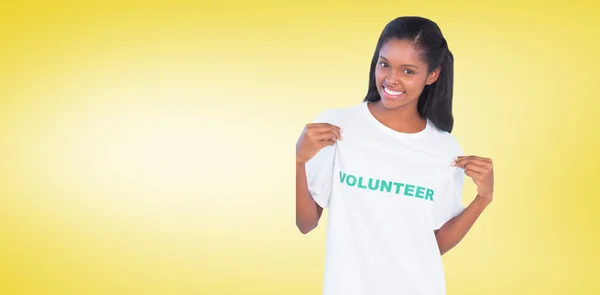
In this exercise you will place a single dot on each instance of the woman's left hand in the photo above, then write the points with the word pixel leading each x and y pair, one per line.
pixel 481 170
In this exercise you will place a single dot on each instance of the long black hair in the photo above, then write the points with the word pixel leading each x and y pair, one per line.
pixel 435 102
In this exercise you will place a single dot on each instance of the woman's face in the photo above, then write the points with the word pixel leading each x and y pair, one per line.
pixel 400 74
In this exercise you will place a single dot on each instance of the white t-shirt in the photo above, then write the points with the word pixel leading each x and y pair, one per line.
pixel 386 192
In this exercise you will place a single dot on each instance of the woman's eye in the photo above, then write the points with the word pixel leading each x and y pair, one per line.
pixel 383 64
pixel 408 72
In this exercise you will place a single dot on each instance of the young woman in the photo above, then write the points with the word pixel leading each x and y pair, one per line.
pixel 390 172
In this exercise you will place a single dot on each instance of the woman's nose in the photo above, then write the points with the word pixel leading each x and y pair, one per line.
pixel 392 78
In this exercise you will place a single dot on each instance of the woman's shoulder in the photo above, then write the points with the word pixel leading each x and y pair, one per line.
pixel 446 140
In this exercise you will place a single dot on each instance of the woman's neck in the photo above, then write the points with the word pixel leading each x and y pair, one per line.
pixel 405 119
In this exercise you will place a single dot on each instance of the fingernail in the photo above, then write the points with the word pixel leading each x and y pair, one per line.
pixel 452 163
pixel 455 158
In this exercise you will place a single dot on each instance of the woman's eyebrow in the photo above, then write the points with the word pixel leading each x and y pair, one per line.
pixel 403 65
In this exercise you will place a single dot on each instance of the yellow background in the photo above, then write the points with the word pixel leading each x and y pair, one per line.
pixel 146 147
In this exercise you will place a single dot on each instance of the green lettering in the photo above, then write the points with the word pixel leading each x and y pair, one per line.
pixel 360 184
pixel 382 185
pixel 351 180
pixel 408 190
pixel 429 194
pixel 420 191
pixel 398 186
pixel 342 176
pixel 385 185
pixel 373 187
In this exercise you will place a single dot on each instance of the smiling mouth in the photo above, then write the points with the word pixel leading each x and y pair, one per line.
pixel 392 92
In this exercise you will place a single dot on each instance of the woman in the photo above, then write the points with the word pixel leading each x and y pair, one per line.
pixel 390 172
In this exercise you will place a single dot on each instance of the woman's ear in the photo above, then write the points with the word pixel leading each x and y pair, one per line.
pixel 433 76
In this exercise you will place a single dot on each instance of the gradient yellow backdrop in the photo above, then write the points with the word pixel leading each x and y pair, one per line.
pixel 146 147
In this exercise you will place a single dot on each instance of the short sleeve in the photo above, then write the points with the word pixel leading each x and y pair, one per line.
pixel 449 204
pixel 319 170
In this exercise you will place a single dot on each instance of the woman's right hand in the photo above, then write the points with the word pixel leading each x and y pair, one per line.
pixel 314 137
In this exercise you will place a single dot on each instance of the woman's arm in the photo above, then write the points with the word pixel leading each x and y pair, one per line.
pixel 308 212
pixel 313 139
pixel 453 231
pixel 481 170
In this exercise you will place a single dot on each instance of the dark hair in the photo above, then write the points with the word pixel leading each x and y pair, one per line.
pixel 435 102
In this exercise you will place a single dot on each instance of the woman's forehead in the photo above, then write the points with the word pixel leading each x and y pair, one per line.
pixel 400 51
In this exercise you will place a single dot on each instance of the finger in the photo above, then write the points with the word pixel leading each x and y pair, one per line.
pixel 471 157
pixel 337 132
pixel 479 160
pixel 322 128
pixel 328 135
pixel 324 143
pixel 462 161
pixel 474 167
pixel 473 174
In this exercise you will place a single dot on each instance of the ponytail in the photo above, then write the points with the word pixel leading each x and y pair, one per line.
pixel 435 102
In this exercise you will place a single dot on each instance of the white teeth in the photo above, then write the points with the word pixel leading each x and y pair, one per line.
pixel 390 92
